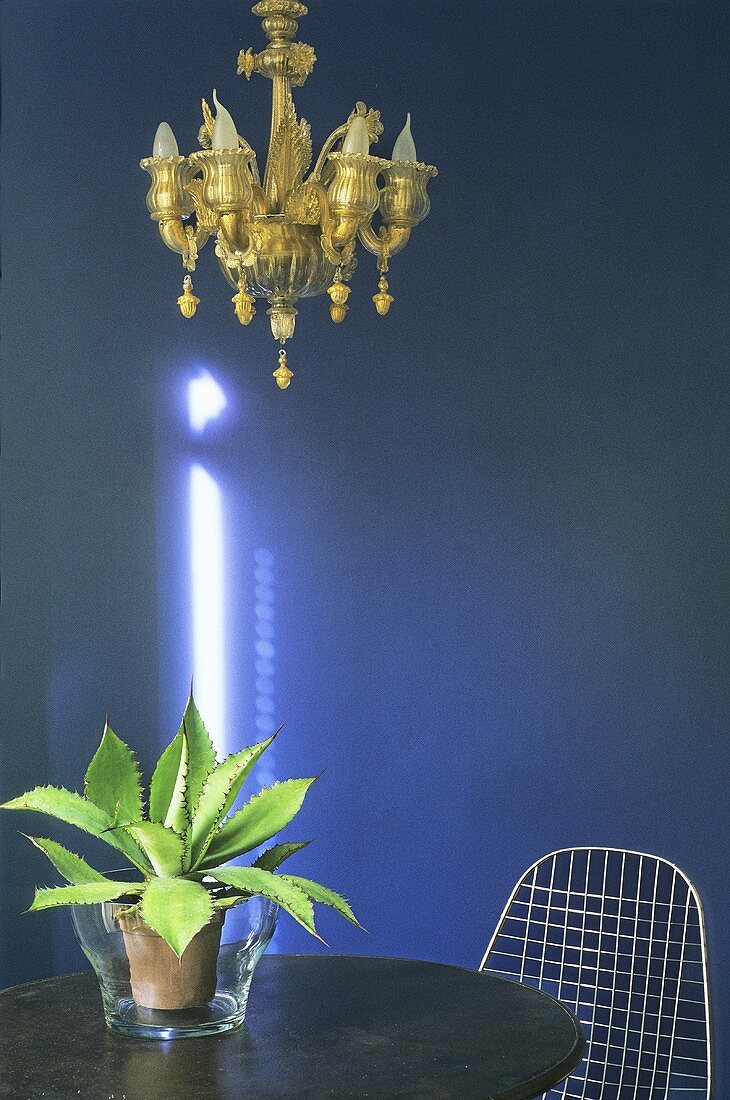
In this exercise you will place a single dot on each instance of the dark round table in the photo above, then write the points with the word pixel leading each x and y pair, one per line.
pixel 317 1026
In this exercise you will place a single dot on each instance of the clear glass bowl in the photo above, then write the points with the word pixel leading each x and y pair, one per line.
pixel 246 933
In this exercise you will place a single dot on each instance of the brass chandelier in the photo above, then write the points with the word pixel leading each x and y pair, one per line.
pixel 286 237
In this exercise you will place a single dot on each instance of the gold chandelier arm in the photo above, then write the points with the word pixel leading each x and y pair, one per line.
pixel 390 240
pixel 237 247
pixel 254 166
pixel 205 216
pixel 375 129
pixel 173 234
pixel 183 239
pixel 315 175
pixel 238 238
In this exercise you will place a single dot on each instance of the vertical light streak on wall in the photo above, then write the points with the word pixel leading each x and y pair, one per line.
pixel 206 569
pixel 206 401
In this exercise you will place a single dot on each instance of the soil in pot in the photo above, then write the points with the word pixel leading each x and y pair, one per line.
pixel 161 980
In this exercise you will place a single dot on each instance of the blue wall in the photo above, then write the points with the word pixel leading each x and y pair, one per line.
pixel 495 516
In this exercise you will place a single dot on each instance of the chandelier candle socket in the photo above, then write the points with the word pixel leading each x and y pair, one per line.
pixel 291 233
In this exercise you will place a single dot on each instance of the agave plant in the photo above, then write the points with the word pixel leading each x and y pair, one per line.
pixel 184 845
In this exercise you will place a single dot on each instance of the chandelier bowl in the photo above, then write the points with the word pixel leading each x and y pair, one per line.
pixel 289 262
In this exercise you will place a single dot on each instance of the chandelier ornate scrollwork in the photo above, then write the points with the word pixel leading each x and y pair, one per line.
pixel 292 235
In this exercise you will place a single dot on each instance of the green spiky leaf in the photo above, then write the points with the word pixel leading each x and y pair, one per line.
pixel 219 792
pixel 260 819
pixel 125 843
pixel 91 893
pixel 176 908
pixel 163 847
pixel 74 810
pixel 65 805
pixel 201 754
pixel 274 857
pixel 324 896
pixel 112 781
pixel 72 867
pixel 169 788
pixel 255 881
pixel 230 900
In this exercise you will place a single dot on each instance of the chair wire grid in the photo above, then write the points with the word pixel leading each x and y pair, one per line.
pixel 619 938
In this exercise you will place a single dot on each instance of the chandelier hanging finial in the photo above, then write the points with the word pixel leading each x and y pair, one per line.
pixel 292 234
pixel 282 374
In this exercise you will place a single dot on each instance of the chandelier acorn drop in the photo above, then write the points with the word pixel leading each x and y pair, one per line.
pixel 286 237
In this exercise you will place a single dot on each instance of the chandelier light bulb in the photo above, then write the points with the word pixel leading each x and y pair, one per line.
pixel 165 144
pixel 225 134
pixel 405 147
pixel 357 138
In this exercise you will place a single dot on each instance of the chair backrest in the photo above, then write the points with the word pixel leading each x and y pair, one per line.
pixel 619 937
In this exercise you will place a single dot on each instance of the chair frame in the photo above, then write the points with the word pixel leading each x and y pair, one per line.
pixel 660 861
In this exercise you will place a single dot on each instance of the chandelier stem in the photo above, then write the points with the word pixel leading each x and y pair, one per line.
pixel 280 95
pixel 279 21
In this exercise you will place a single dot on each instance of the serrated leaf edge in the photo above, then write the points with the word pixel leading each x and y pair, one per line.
pixel 143 915
pixel 300 844
pixel 200 855
pixel 303 883
pixel 50 787
pixel 137 772
pixel 251 801
pixel 125 888
pixel 192 807
pixel 39 842
pixel 258 893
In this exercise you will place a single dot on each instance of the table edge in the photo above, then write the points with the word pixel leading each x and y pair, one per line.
pixel 545 1081
pixel 537 1085
pixel 320 955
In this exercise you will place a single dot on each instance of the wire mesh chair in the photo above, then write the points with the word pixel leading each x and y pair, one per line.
pixel 619 937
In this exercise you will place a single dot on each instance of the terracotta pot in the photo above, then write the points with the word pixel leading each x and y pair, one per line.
pixel 161 980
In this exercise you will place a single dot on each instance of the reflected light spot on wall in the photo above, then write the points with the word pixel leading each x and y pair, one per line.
pixel 206 400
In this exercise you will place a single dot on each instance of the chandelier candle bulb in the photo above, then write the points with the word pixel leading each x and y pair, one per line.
pixel 357 138
pixel 165 143
pixel 225 134
pixel 405 147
